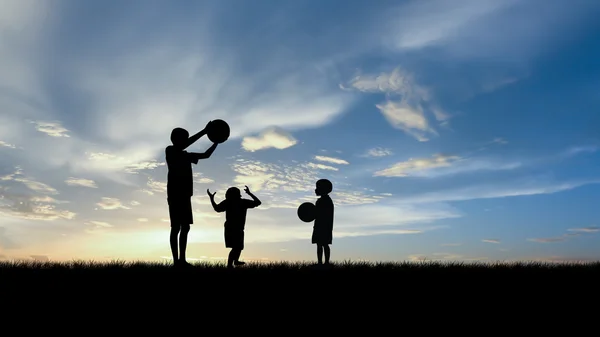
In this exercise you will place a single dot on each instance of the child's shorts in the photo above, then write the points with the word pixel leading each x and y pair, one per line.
pixel 180 211
pixel 234 238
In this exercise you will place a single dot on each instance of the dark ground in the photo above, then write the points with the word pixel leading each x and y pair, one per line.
pixel 347 291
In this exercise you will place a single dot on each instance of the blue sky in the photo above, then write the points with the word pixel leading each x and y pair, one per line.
pixel 452 130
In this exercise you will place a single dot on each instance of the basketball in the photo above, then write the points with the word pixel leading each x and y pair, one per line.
pixel 307 212
pixel 218 131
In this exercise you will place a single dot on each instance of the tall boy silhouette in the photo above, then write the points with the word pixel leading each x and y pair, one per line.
pixel 323 227
pixel 180 187
pixel 235 209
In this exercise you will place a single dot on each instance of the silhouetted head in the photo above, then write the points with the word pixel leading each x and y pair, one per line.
pixel 179 136
pixel 233 193
pixel 324 187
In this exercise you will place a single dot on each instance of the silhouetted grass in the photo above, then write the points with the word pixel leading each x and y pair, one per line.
pixel 8 268
pixel 347 283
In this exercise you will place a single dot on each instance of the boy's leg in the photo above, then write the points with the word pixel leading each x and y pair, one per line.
pixel 320 253
pixel 236 260
pixel 231 258
pixel 173 241
pixel 327 251
pixel 183 242
pixel 240 247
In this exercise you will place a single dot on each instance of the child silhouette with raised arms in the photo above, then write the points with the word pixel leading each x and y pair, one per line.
pixel 235 209
pixel 180 187
pixel 323 228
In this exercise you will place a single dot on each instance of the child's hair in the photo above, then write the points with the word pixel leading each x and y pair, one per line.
pixel 179 135
pixel 325 185
pixel 233 193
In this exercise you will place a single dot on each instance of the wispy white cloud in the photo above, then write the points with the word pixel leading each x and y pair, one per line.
pixel 54 129
pixel 575 232
pixel 441 165
pixel 332 160
pixel 491 240
pixel 272 137
pixel 111 204
pixel 322 166
pixel 481 28
pixel 408 119
pixel 378 152
pixel 407 113
pixel 403 169
pixel 5 144
pixel 590 229
pixel 81 182
pixel 521 187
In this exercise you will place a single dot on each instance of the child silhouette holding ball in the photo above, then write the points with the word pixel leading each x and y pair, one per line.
pixel 323 228
pixel 180 187
pixel 235 209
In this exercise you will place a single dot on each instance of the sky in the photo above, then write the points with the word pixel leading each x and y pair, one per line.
pixel 462 130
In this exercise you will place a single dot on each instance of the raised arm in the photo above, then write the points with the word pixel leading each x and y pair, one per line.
pixel 197 156
pixel 195 137
pixel 256 201
pixel 219 208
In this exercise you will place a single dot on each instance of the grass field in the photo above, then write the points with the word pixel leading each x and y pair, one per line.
pixel 362 286
pixel 17 269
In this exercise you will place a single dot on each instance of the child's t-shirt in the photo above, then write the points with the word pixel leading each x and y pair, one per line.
pixel 180 182
pixel 324 209
pixel 235 212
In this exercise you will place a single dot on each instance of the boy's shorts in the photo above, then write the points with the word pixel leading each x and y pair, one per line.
pixel 234 238
pixel 180 211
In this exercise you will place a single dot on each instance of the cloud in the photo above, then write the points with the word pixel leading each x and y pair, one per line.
pixel 378 152
pixel 272 137
pixel 5 144
pixel 523 187
pixel 30 182
pixel 156 186
pixel 577 232
pixel 407 113
pixel 54 129
pixel 144 165
pixel 406 118
pixel 590 229
pixel 200 179
pixel 32 203
pixel 111 204
pixel 32 208
pixel 142 220
pixel 403 169
pixel 548 240
pixel 490 240
pixel 434 23
pixel 97 227
pixel 321 166
pixel 99 224
pixel 331 160
pixel 81 182
pixel 287 185
pixel 480 29
pixel 442 165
